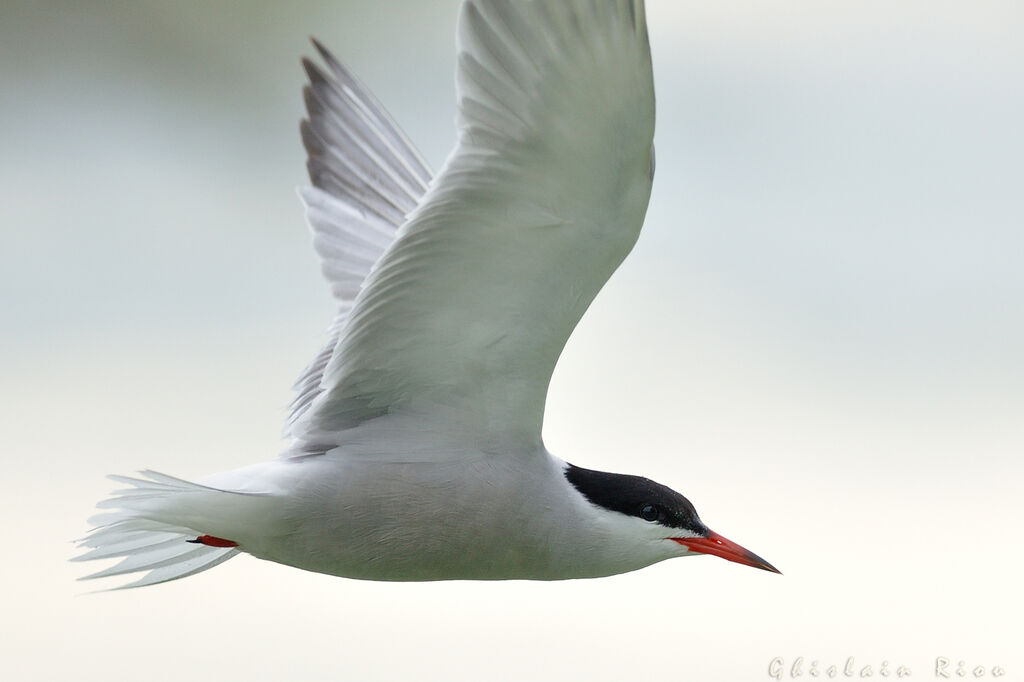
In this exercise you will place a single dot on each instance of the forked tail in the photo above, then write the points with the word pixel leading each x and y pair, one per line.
pixel 164 525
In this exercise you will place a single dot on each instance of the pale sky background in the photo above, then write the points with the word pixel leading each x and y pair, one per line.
pixel 818 340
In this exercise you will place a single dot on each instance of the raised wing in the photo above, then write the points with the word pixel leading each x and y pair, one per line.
pixel 366 178
pixel 462 320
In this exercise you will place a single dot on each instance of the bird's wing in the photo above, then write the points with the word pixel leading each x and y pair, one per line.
pixel 366 178
pixel 462 320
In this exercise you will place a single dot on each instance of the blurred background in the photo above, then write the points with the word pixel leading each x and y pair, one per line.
pixel 818 340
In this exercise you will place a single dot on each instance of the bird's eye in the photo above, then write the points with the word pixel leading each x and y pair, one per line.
pixel 649 513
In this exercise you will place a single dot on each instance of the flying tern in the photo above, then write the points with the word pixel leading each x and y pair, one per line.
pixel 415 448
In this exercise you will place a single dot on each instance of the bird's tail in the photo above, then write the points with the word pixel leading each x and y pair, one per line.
pixel 166 526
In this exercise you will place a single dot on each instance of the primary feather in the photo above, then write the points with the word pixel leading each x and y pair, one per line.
pixel 366 178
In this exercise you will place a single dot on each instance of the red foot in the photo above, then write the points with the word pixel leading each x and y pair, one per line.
pixel 214 541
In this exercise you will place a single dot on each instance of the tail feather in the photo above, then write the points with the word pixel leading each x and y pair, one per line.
pixel 131 543
pixel 152 526
pixel 211 557
pixel 149 560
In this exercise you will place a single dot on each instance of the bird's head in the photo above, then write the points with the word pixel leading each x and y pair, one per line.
pixel 663 520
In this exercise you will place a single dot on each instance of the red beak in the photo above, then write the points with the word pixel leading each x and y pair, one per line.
pixel 716 545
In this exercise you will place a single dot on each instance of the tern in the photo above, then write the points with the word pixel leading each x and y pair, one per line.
pixel 415 449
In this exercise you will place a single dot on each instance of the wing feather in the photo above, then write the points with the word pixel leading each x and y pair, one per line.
pixel 463 318
pixel 366 178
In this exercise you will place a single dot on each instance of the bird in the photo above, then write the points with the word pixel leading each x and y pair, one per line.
pixel 414 448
